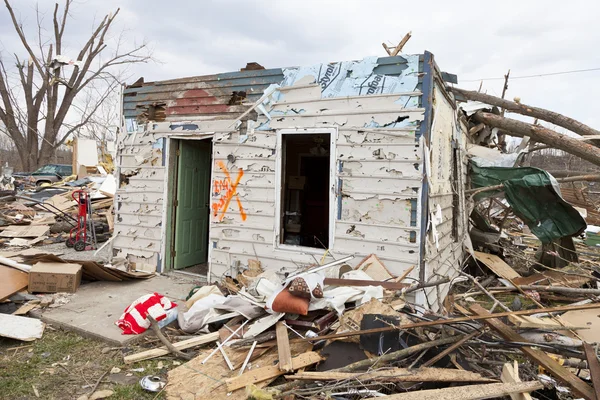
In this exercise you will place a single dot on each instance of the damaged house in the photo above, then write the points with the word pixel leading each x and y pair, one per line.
pixel 295 167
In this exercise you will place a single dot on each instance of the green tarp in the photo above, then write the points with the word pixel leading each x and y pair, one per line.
pixel 533 196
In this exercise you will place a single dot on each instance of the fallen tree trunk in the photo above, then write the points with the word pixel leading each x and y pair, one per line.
pixel 543 135
pixel 535 112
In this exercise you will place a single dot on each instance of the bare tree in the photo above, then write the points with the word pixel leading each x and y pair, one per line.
pixel 48 86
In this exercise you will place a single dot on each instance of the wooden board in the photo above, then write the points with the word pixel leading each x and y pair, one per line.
pixel 510 374
pixel 473 392
pixel 397 375
pixel 272 371
pixel 553 278
pixel 593 367
pixel 497 265
pixel 194 380
pixel 12 281
pixel 21 328
pixel 589 318
pixel 283 347
pixel 539 323
pixel 578 386
pixel 162 351
pixel 373 267
pixel 24 231
pixel 25 308
pixel 358 282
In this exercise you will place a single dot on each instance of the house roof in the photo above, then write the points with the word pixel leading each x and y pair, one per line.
pixel 227 95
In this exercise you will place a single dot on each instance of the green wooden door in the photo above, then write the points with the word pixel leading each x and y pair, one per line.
pixel 192 207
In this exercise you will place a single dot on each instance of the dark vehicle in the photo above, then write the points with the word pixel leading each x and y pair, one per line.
pixel 49 173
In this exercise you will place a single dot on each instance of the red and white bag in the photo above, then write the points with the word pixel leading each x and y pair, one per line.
pixel 134 320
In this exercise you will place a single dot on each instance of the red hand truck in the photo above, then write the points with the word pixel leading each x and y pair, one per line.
pixel 83 236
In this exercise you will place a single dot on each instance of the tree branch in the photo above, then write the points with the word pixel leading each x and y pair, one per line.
pixel 21 34
pixel 535 112
pixel 543 135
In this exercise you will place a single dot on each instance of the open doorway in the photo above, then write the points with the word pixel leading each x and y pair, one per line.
pixel 191 206
pixel 305 190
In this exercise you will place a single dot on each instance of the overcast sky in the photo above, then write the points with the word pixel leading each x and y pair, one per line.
pixel 471 39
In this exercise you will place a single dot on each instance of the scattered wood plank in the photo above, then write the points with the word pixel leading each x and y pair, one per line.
pixel 162 351
pixel 359 282
pixel 261 374
pixel 473 392
pixel 593 366
pixel 25 308
pixel 558 371
pixel 451 348
pixel 194 380
pixel 497 265
pixel 373 267
pixel 24 231
pixel 21 328
pixel 283 347
pixel 396 375
pixel 452 321
pixel 510 374
pixel 12 281
pixel 587 318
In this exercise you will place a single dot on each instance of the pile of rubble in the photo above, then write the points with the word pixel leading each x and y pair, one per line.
pixel 334 331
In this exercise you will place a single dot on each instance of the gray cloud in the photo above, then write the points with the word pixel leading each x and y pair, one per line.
pixel 470 38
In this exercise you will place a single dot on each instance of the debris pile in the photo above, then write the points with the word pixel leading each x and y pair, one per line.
pixel 334 331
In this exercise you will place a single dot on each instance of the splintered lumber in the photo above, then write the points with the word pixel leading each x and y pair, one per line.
pixel 452 321
pixel 472 392
pixel 283 347
pixel 358 282
pixel 398 355
pixel 554 368
pixel 497 265
pixel 510 374
pixel 396 375
pixel 451 348
pixel 194 380
pixel 593 366
pixel 162 351
pixel 262 374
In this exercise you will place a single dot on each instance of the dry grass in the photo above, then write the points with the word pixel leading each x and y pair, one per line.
pixel 63 365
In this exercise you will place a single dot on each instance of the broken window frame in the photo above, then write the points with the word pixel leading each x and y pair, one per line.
pixel 333 187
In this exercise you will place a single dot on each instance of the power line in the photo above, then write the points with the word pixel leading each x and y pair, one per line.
pixel 534 76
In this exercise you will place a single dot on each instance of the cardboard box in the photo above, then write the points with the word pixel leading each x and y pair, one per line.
pixel 296 182
pixel 48 277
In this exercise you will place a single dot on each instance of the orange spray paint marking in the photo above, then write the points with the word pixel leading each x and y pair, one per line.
pixel 230 190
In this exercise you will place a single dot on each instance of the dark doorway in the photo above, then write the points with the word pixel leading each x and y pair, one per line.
pixel 305 191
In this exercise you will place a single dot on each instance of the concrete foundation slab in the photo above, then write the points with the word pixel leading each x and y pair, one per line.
pixel 95 307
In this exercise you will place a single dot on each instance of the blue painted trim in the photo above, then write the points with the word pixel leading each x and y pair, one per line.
pixel 425 131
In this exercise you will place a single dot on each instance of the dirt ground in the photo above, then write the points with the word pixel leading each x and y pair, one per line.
pixel 63 365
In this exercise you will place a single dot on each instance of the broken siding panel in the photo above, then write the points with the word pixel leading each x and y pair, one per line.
pixel 371 160
pixel 139 197
pixel 444 251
